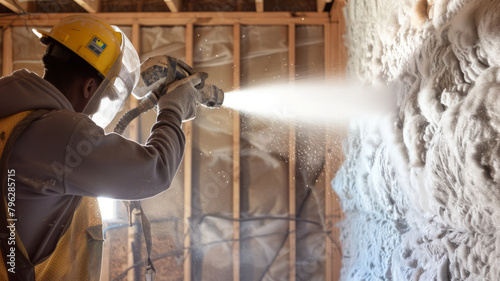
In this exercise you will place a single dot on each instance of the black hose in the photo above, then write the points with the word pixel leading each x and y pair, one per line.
pixel 146 104
pixel 151 99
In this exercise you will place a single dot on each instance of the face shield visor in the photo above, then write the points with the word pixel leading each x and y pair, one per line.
pixel 116 87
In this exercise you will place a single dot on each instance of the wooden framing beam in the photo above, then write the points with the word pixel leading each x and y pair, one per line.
pixel 236 154
pixel 188 166
pixel 174 5
pixel 339 51
pixel 15 6
pixel 292 238
pixel 133 231
pixel 91 6
pixel 201 19
pixel 259 6
pixel 136 36
pixel 335 64
pixel 7 64
pixel 134 125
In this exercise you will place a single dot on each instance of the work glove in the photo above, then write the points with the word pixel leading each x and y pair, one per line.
pixel 181 96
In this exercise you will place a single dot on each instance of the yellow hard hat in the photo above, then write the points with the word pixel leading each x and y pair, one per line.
pixel 89 37
pixel 109 51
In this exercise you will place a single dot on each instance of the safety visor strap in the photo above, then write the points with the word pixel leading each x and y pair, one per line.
pixel 63 54
pixel 135 207
pixel 59 52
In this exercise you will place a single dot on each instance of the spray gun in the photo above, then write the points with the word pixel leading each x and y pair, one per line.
pixel 165 70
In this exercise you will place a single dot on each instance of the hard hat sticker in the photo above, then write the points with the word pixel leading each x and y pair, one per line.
pixel 96 46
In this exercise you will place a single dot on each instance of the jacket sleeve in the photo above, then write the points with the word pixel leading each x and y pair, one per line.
pixel 99 164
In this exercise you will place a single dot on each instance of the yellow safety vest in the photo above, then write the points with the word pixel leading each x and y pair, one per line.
pixel 78 253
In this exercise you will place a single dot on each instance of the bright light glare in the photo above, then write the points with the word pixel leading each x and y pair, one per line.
pixel 107 111
pixel 38 34
pixel 108 208
pixel 312 102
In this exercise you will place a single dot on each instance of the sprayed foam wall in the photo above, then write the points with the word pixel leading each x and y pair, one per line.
pixel 420 188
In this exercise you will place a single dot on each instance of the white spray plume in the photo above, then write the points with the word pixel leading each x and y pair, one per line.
pixel 313 101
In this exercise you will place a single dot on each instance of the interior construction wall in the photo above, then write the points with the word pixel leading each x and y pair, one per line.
pixel 264 252
pixel 264 159
pixel 28 52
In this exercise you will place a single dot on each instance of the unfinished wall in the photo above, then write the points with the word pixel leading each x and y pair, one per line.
pixel 243 176
pixel 28 50
pixel 264 161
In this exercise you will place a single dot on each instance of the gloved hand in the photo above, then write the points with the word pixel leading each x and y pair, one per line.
pixel 181 96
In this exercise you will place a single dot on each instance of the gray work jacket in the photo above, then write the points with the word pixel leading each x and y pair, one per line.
pixel 65 154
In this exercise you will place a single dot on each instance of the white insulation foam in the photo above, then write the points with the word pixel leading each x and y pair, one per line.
pixel 421 188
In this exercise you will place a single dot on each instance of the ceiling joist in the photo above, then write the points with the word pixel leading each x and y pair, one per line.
pixel 174 5
pixel 259 6
pixel 91 6
pixel 202 19
pixel 15 6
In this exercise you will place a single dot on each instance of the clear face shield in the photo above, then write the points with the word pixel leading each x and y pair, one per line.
pixel 116 87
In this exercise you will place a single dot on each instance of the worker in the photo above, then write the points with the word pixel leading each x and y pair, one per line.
pixel 56 157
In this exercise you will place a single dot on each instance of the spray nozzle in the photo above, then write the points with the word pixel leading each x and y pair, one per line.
pixel 211 96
